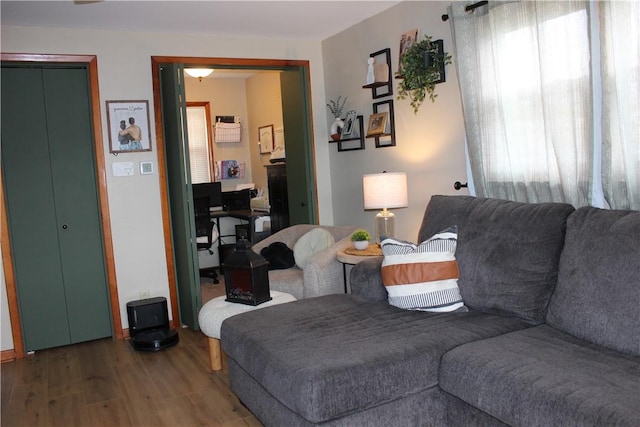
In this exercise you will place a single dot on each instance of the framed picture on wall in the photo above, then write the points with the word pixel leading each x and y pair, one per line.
pixel 349 125
pixel 388 137
pixel 128 124
pixel 377 124
pixel 406 41
pixel 279 138
pixel 265 138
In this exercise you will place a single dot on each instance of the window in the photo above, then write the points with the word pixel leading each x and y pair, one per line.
pixel 200 142
pixel 534 104
pixel 620 51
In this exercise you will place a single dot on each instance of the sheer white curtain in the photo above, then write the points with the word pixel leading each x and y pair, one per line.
pixel 620 52
pixel 525 79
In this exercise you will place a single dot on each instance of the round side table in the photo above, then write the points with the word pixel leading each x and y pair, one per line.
pixel 352 256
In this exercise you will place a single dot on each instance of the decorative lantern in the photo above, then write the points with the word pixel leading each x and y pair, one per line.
pixel 246 276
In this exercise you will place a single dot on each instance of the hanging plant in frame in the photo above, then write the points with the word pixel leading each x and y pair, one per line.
pixel 423 66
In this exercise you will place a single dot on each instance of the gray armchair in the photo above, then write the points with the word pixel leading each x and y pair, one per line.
pixel 323 273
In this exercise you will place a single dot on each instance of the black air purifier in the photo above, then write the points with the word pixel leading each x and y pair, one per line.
pixel 149 325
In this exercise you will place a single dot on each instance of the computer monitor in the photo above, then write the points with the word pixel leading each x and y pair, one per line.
pixel 212 190
pixel 237 200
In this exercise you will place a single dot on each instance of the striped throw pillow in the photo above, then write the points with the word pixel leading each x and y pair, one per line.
pixel 425 276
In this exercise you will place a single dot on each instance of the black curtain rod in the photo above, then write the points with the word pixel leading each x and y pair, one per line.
pixel 468 8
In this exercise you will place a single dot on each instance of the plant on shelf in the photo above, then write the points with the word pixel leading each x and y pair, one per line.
pixel 360 239
pixel 421 70
pixel 337 106
pixel 336 109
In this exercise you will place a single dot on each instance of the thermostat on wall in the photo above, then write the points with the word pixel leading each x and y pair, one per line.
pixel 146 168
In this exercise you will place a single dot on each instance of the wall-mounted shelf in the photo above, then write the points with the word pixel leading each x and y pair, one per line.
pixel 355 141
pixel 382 65
pixel 375 85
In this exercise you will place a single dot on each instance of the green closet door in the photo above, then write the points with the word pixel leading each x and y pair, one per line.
pixel 31 210
pixel 77 204
pixel 52 205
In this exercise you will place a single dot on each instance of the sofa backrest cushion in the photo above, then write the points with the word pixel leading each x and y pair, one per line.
pixel 508 252
pixel 598 290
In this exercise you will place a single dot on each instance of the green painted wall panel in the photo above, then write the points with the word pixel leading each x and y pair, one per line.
pixel 300 169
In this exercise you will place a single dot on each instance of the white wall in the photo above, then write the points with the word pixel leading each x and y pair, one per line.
pixel 264 100
pixel 429 145
pixel 124 67
pixel 226 97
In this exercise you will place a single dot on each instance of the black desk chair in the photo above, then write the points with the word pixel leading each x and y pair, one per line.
pixel 204 231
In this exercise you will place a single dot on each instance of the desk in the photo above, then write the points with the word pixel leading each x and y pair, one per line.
pixel 244 215
pixel 351 256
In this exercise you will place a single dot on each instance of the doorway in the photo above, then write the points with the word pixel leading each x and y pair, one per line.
pixel 169 101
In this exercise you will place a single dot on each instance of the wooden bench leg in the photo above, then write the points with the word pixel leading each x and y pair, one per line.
pixel 215 354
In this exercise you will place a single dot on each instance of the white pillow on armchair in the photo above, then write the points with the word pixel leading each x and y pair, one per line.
pixel 310 243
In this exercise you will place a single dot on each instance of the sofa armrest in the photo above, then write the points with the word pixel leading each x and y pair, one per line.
pixel 366 280
pixel 289 236
pixel 323 273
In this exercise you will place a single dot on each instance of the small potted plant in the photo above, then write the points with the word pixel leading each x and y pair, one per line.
pixel 336 109
pixel 360 239
pixel 421 65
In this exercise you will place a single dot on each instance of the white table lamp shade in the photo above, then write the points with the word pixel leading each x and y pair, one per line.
pixel 385 190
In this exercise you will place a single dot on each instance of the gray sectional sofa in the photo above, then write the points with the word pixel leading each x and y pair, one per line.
pixel 551 337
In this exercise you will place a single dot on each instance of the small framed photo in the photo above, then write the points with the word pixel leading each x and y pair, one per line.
pixel 279 138
pixel 128 124
pixel 406 41
pixel 356 141
pixel 349 125
pixel 377 123
pixel 265 138
pixel 388 139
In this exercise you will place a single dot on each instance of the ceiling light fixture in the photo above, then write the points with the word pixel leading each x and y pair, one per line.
pixel 198 73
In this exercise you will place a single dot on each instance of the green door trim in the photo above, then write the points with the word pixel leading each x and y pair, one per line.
pixel 178 183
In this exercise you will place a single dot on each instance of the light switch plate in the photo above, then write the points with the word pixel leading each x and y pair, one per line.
pixel 122 169
pixel 146 168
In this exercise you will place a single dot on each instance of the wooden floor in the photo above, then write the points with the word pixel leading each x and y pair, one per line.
pixel 107 383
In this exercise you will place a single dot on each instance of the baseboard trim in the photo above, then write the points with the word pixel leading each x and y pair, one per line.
pixel 7 356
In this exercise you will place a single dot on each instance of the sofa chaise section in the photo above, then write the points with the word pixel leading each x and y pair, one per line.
pixel 363 354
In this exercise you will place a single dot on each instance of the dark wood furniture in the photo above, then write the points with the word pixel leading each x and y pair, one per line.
pixel 278 196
